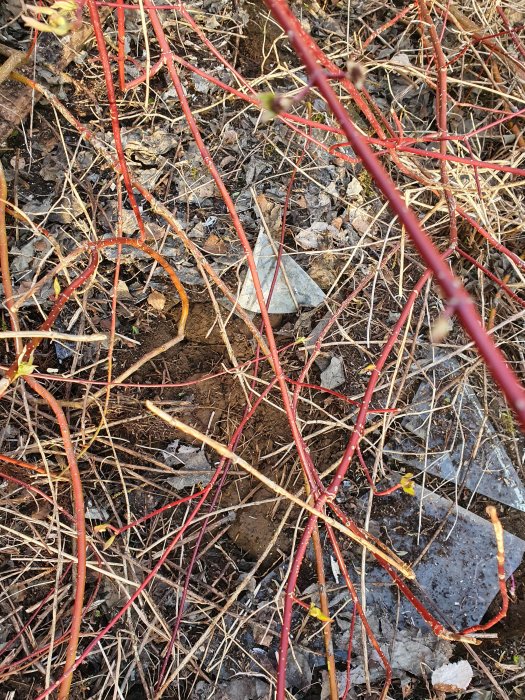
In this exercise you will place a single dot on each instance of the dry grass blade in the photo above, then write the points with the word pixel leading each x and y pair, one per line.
pixel 393 560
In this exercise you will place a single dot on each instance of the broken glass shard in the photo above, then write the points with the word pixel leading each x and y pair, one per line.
pixel 293 289
pixel 455 554
pixel 451 437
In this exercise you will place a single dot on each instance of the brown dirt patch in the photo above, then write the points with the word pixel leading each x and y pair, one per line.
pixel 259 35
pixel 214 406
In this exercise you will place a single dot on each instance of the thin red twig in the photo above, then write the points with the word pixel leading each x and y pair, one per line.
pixel 456 295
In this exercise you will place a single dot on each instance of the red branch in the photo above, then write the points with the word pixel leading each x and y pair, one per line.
pixel 458 299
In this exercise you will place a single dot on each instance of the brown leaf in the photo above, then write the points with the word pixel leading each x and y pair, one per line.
pixel 157 300
pixel 215 245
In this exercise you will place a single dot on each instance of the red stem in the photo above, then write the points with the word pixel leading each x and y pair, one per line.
pixel 95 641
pixel 224 467
pixel 452 289
pixel 304 456
pixel 80 524
pixel 103 53
pixel 330 493
pixel 360 611
pixel 492 277
pixel 60 301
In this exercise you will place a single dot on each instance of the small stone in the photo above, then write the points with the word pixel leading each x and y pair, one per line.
pixel 123 290
pixel 354 188
pixel 362 221
pixel 334 375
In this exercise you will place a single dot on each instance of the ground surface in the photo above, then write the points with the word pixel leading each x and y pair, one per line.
pixel 221 586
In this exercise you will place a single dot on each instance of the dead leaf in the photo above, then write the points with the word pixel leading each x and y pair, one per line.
pixel 263 203
pixel 400 59
pixel 362 221
pixel 301 202
pixel 337 222
pixel 440 329
pixel 215 245
pixel 318 236
pixel 157 300
pixel 354 188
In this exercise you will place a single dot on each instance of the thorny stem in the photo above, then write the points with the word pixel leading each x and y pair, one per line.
pixel 333 318
pixel 161 210
pixel 173 504
pixel 431 621
pixel 76 482
pixel 27 353
pixel 121 29
pixel 26 465
pixel 519 262
pixel 94 246
pixel 353 532
pixel 156 206
pixel 385 492
pixel 136 593
pixel 318 550
pixel 384 27
pixel 360 611
pixel 139 245
pixel 329 494
pixel 459 303
pixel 457 16
pixel 63 296
pixel 515 39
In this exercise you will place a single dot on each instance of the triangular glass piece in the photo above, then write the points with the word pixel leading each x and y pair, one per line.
pixel 455 441
pixel 294 287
